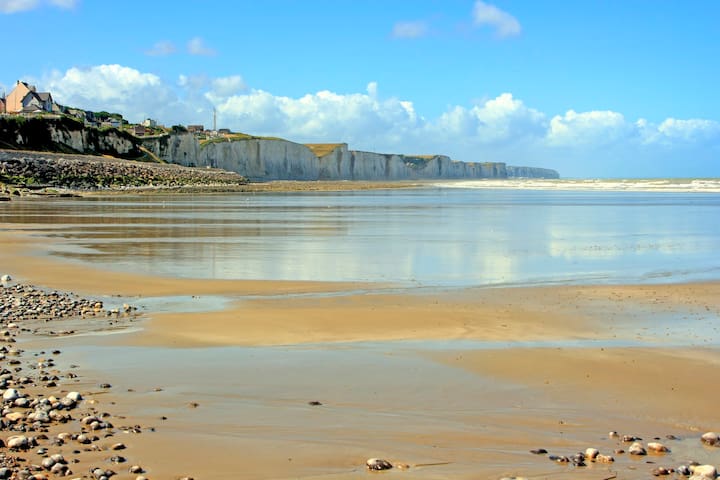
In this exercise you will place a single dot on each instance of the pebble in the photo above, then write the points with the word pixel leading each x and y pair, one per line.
pixel 592 453
pixel 378 464
pixel 657 447
pixel 703 472
pixel 637 449
pixel 710 438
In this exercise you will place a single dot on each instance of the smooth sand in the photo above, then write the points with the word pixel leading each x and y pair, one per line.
pixel 571 363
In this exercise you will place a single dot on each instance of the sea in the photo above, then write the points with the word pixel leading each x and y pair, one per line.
pixel 447 234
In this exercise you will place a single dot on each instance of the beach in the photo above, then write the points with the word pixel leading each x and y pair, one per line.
pixel 297 378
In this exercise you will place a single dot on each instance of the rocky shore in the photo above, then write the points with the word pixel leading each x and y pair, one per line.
pixel 52 428
pixel 23 173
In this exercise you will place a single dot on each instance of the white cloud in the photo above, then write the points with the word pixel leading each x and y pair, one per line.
pixel 595 127
pixel 498 129
pixel 225 87
pixel 691 131
pixel 116 88
pixel 505 25
pixel 196 46
pixel 413 29
pixel 15 6
pixel 161 49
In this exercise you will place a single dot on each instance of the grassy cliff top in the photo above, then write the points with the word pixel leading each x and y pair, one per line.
pixel 235 137
pixel 322 149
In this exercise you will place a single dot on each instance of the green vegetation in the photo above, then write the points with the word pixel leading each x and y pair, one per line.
pixel 234 137
pixel 322 149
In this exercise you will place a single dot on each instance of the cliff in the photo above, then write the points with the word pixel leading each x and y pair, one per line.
pixel 65 135
pixel 263 159
pixel 256 158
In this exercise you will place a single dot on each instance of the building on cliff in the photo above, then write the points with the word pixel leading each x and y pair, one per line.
pixel 25 98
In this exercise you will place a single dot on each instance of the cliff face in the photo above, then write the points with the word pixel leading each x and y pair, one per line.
pixel 271 159
pixel 65 135
pixel 258 159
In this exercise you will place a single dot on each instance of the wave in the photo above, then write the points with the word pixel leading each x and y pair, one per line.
pixel 680 185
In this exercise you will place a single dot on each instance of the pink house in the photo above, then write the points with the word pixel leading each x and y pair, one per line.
pixel 26 99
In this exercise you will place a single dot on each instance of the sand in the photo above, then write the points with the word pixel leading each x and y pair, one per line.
pixel 467 379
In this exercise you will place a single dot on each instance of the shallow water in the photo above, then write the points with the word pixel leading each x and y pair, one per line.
pixel 434 236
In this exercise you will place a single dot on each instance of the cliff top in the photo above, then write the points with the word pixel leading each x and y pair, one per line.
pixel 322 149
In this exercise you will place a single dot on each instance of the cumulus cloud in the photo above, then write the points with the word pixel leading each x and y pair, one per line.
pixel 197 46
pixel 116 88
pixel 413 29
pixel 505 25
pixel 594 127
pixel 161 49
pixel 14 6
pixel 502 128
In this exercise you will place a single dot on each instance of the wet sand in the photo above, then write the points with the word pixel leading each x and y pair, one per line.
pixel 468 379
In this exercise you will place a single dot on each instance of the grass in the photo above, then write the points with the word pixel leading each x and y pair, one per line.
pixel 234 137
pixel 322 149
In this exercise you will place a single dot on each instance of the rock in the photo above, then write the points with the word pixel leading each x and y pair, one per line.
pixel 118 446
pixel 11 394
pixel 378 464
pixel 710 438
pixel 659 471
pixel 19 442
pixel 637 449
pixel 136 469
pixel 75 396
pixel 591 453
pixel 657 447
pixel 14 417
pixel 703 472
pixel 604 458
pixel 538 451
pixel 5 279
pixel 683 470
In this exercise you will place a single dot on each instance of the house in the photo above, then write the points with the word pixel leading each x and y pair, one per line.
pixel 196 128
pixel 224 131
pixel 26 99
pixel 139 130
pixel 149 123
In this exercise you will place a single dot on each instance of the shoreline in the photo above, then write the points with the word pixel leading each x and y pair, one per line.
pixel 481 409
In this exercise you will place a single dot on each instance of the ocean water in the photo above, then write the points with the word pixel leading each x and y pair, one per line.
pixel 449 234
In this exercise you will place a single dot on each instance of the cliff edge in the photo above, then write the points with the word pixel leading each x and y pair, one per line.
pixel 263 159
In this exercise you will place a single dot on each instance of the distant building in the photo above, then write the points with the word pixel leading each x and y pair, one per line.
pixel 196 128
pixel 139 130
pixel 111 122
pixel 224 131
pixel 26 99
pixel 149 123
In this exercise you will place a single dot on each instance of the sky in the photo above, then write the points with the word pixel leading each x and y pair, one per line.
pixel 592 88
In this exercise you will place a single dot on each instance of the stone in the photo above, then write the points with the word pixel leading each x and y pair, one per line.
pixel 5 279
pixel 637 449
pixel 710 438
pixel 75 396
pixel 657 447
pixel 604 458
pixel 703 472
pixel 19 442
pixel 378 464
pixel 591 453
pixel 11 395
pixel 136 469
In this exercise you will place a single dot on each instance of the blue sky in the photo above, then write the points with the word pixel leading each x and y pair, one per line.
pixel 590 88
